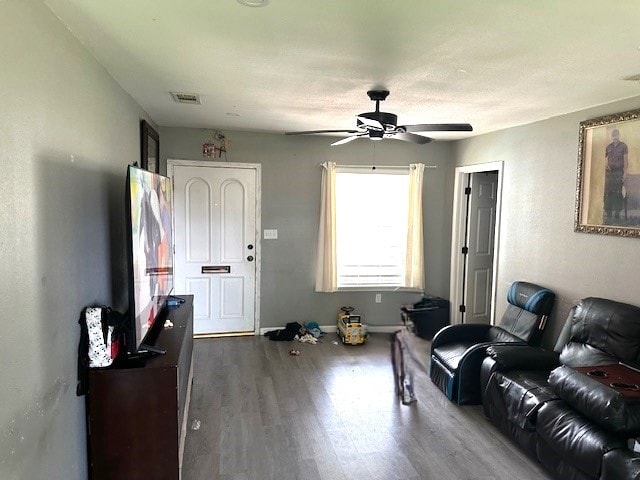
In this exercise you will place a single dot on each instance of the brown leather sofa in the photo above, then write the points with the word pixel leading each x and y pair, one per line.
pixel 578 427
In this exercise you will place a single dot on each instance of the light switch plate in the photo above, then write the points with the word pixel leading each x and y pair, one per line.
pixel 271 234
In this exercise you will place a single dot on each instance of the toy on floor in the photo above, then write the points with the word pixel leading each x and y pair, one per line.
pixel 350 329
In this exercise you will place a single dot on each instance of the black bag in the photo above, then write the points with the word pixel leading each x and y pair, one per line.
pixel 101 338
pixel 287 334
pixel 427 316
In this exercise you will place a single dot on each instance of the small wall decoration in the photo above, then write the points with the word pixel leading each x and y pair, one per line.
pixel 211 149
pixel 149 148
pixel 608 186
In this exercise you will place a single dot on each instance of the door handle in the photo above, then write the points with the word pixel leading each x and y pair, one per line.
pixel 250 247
pixel 216 269
pixel 250 258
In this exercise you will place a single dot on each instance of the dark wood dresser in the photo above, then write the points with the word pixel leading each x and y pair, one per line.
pixel 137 412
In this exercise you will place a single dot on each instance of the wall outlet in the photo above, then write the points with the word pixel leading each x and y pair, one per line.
pixel 378 298
pixel 270 234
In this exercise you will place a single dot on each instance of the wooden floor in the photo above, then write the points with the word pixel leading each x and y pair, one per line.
pixel 331 413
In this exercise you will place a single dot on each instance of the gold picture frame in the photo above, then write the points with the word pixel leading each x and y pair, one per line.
pixel 608 184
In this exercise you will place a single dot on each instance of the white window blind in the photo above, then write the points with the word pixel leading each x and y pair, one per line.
pixel 371 226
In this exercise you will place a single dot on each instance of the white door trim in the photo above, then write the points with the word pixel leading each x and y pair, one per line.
pixel 457 235
pixel 172 163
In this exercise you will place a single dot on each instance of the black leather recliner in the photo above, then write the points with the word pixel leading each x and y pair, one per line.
pixel 577 427
pixel 457 351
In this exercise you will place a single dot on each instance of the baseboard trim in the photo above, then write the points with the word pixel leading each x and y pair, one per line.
pixel 332 328
pixel 221 335
pixel 384 328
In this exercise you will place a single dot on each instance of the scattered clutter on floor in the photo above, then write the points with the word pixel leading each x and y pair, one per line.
pixel 286 334
pixel 314 329
pixel 309 333
pixel 196 424
pixel 295 353
pixel 307 338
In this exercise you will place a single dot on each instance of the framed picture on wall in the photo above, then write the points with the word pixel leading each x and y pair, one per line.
pixel 608 186
pixel 149 148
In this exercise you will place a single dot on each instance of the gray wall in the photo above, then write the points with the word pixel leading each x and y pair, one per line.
pixel 537 241
pixel 67 131
pixel 291 204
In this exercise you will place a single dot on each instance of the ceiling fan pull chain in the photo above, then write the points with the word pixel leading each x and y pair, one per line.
pixel 374 156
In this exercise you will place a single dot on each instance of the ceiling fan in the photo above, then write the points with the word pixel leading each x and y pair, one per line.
pixel 378 125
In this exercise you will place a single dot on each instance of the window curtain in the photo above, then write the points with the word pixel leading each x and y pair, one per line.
pixel 326 262
pixel 414 273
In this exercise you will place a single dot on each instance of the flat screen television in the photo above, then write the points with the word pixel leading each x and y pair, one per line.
pixel 150 253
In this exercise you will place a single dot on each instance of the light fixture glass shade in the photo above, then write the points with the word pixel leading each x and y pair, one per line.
pixel 253 3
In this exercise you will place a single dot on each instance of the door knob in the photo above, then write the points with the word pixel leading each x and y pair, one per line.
pixel 250 247
pixel 250 258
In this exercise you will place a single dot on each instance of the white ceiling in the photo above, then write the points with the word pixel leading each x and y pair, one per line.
pixel 303 65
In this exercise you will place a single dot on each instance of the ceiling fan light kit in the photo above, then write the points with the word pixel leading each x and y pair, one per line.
pixel 253 3
pixel 378 125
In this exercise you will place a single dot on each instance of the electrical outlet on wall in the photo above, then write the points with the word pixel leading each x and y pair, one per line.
pixel 378 298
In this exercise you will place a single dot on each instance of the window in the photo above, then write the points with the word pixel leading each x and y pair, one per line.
pixel 370 230
pixel 371 227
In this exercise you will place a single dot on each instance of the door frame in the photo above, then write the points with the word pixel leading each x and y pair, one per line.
pixel 458 235
pixel 173 162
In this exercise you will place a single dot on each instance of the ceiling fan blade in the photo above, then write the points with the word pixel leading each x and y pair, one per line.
pixel 411 137
pixel 437 127
pixel 370 123
pixel 321 131
pixel 347 140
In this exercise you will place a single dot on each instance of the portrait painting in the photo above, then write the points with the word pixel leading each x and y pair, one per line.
pixel 608 185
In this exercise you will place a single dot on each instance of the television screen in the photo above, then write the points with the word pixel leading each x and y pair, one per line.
pixel 150 249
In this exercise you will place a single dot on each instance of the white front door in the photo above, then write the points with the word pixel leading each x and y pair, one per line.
pixel 481 235
pixel 216 243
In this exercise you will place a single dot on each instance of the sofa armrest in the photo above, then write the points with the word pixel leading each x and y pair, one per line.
pixel 603 405
pixel 522 357
pixel 460 333
pixel 487 368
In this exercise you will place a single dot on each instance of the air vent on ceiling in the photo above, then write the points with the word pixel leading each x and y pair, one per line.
pixel 190 98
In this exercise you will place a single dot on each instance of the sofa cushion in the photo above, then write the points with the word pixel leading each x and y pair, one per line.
pixel 495 409
pixel 451 353
pixel 576 438
pixel 598 402
pixel 522 324
pixel 621 464
pixel 531 297
pixel 528 305
pixel 523 392
pixel 611 327
pixel 554 462
pixel 499 334
pixel 583 355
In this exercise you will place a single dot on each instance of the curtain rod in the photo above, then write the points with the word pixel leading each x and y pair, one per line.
pixel 378 166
